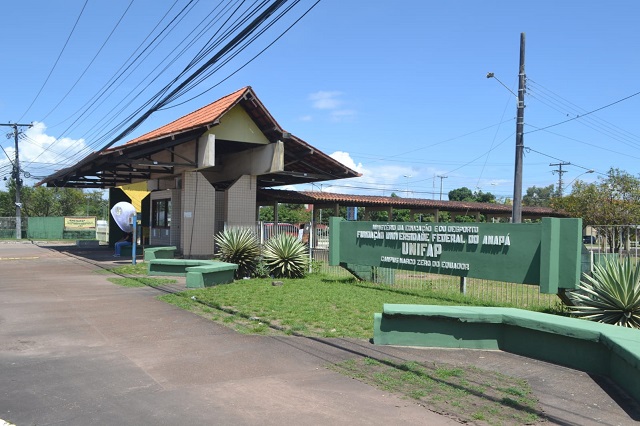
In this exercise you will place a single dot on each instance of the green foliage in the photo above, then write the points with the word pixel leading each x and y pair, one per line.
pixel 465 194
pixel 287 213
pixel 611 295
pixel 239 246
pixel 461 194
pixel 539 196
pixel 43 202
pixel 262 269
pixel 613 200
pixel 286 256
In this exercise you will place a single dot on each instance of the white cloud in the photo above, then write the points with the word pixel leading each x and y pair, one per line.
pixel 41 154
pixel 343 115
pixel 326 99
pixel 345 158
pixel 306 118
pixel 375 179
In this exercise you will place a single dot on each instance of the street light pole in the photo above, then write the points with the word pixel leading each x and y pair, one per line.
pixel 516 215
pixel 575 179
pixel 441 178
pixel 17 178
pixel 517 180
pixel 407 177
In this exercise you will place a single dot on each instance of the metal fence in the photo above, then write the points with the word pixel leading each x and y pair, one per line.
pixel 8 227
pixel 492 292
pixel 609 239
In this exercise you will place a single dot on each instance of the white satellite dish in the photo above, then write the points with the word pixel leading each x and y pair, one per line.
pixel 123 213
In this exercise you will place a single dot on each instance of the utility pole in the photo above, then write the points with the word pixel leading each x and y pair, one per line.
pixel 441 177
pixel 517 180
pixel 560 172
pixel 17 178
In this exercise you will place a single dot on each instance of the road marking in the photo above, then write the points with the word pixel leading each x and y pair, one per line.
pixel 19 258
pixel 3 423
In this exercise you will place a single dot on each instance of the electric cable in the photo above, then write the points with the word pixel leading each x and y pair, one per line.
pixel 91 62
pixel 56 62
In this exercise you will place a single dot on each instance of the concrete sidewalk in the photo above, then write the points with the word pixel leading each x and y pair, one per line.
pixel 78 350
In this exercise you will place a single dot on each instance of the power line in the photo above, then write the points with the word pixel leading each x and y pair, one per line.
pixel 593 122
pixel 113 130
pixel 585 114
pixel 92 60
pixel 56 62
pixel 528 149
pixel 230 45
pixel 626 154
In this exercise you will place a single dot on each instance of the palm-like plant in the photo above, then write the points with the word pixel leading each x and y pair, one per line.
pixel 611 295
pixel 286 256
pixel 239 246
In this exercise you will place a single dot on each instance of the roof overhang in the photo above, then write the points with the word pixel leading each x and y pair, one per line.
pixel 134 162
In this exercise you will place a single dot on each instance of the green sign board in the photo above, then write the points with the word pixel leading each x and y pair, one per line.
pixel 547 254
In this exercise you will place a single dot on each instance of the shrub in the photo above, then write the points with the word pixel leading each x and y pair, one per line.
pixel 239 246
pixel 286 256
pixel 611 295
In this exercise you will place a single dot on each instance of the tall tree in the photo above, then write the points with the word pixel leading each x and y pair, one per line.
pixel 539 196
pixel 287 213
pixel 612 200
pixel 461 194
pixel 465 194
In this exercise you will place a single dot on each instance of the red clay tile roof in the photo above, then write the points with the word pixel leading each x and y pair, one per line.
pixel 349 200
pixel 198 118
pixel 114 166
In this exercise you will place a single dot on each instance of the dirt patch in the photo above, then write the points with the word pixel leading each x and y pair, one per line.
pixel 468 394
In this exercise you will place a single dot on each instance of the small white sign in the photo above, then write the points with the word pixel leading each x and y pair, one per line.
pixel 187 215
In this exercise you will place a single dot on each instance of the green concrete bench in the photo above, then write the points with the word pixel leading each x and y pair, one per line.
pixel 88 243
pixel 211 274
pixel 176 267
pixel 151 253
pixel 126 251
pixel 584 345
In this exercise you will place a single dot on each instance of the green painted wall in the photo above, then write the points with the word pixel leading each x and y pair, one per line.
pixel 589 346
pixel 46 228
pixel 52 228
pixel 546 253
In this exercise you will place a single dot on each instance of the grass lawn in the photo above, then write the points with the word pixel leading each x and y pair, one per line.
pixel 314 306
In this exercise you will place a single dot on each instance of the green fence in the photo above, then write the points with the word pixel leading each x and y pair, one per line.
pixel 8 228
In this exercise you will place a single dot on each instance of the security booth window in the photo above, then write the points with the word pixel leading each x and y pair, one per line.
pixel 161 213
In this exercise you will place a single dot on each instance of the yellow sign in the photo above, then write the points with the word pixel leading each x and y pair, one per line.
pixel 136 191
pixel 79 223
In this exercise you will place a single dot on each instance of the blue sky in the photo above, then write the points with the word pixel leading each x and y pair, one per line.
pixel 398 91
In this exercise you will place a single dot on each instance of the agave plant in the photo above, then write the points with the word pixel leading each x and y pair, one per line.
pixel 611 295
pixel 239 246
pixel 286 256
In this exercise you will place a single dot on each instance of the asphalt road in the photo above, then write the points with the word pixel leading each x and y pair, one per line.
pixel 76 349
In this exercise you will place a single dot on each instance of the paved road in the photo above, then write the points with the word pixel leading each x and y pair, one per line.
pixel 76 349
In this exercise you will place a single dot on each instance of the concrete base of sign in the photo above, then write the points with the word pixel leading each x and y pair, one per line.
pixel 584 345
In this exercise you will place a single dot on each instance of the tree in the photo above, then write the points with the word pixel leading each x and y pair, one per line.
pixel 287 213
pixel 465 194
pixel 539 196
pixel 613 200
pixel 461 194
pixel 484 197
pixel 42 201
